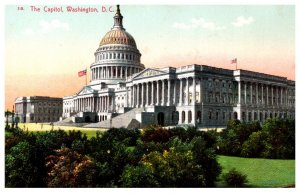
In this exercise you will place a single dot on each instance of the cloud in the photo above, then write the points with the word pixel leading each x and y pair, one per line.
pixel 53 25
pixel 242 21
pixel 198 23
pixel 47 27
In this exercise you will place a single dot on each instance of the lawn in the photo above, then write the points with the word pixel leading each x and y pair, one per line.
pixel 35 127
pixel 261 172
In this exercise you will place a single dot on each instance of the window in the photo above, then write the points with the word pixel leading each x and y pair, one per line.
pixel 209 115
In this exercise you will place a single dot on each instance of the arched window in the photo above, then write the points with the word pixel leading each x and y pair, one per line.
pixel 235 115
pixel 183 116
pixel 199 117
pixel 189 116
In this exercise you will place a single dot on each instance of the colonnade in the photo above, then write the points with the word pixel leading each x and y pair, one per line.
pixel 255 93
pixel 111 72
pixel 165 92
pixel 98 104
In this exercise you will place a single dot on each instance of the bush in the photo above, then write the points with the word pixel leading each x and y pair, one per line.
pixel 254 146
pixel 156 133
pixel 235 179
pixel 67 168
pixel 20 170
pixel 138 176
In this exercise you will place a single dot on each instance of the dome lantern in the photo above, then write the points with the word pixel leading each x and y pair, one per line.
pixel 118 34
pixel 118 19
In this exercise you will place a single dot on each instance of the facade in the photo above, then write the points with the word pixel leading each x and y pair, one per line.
pixel 38 109
pixel 122 92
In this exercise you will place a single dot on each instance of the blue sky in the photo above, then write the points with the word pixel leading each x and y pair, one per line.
pixel 46 45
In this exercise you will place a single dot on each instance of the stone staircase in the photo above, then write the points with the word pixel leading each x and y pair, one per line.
pixel 69 122
pixel 127 120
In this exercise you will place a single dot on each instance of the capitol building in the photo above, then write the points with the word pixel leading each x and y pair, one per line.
pixel 123 93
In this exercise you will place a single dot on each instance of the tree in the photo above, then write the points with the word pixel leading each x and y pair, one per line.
pixel 67 168
pixel 155 133
pixel 254 145
pixel 280 140
pixel 138 176
pixel 20 170
pixel 205 156
pixel 175 169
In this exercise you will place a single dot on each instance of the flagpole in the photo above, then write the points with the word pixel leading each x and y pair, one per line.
pixel 86 77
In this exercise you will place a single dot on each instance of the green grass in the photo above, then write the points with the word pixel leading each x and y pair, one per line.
pixel 261 172
pixel 39 127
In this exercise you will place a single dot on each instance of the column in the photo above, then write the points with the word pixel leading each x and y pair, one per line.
pixel 187 91
pixel 138 95
pixel 152 93
pixel 108 102
pixel 251 94
pixel 147 94
pixel 126 97
pixel 180 92
pixel 111 72
pixel 201 92
pixel 93 103
pixel 277 94
pixel 239 92
pixel 256 93
pixel 163 92
pixel 245 97
pixel 99 103
pixel 133 95
pixel 79 105
pixel 169 101
pixel 267 87
pixel 96 104
pixel 103 103
pixel 157 93
pixel 180 117
pixel 286 96
pixel 174 92
pixel 262 94
pixel 142 102
pixel 194 94
pixel 272 95
pixel 126 69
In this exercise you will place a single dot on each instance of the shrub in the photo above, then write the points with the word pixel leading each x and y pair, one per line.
pixel 67 168
pixel 138 176
pixel 235 179
pixel 156 133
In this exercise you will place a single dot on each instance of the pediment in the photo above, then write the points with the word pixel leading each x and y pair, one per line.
pixel 85 90
pixel 149 73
